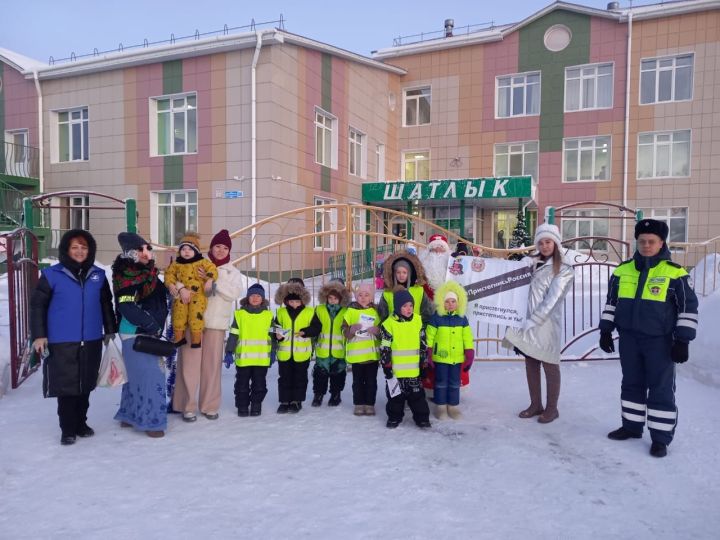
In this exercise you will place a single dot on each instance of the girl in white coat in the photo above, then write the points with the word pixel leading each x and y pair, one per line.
pixel 540 340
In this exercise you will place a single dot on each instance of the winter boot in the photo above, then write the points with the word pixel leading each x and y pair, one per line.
pixel 243 412
pixel 211 415
pixel 155 434
pixel 658 449
pixel 454 412
pixel 424 424
pixel 552 378
pixel 317 400
pixel 359 410
pixel 283 408
pixel 334 400
pixel 532 372
pixel 295 407
pixel 67 439
pixel 441 412
pixel 189 417
pixel 85 431
pixel 392 424
pixel 255 409
pixel 369 410
pixel 622 434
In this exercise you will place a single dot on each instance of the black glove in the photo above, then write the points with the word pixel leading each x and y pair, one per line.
pixel 388 372
pixel 679 352
pixel 606 342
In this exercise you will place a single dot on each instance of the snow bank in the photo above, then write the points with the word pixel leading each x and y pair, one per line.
pixel 703 364
pixel 706 275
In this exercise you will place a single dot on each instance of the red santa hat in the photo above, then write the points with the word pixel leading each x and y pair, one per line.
pixel 438 240
pixel 438 237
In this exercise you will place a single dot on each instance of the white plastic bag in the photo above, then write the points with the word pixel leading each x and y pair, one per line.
pixel 112 368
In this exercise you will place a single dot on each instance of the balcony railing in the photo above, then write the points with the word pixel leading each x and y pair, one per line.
pixel 19 160
pixel 11 205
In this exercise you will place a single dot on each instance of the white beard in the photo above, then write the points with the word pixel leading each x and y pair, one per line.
pixel 435 265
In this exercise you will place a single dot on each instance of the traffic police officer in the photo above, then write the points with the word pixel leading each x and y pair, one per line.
pixel 654 308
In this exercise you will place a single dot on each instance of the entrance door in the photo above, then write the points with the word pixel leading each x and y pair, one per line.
pixel 16 156
pixel 398 227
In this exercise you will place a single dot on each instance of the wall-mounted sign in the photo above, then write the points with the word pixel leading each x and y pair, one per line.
pixel 233 195
pixel 510 187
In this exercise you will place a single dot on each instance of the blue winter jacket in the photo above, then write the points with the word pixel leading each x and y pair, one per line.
pixel 76 309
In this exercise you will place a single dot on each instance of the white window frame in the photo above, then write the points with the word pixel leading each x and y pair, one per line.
pixel 514 85
pixel 176 229
pixel 665 215
pixel 380 162
pixel 673 69
pixel 415 156
pixel 591 215
pixel 589 76
pixel 416 98
pixel 655 145
pixel 191 141
pixel 357 153
pixel 581 150
pixel 327 218
pixel 327 124
pixel 84 138
pixel 359 221
pixel 513 150
pixel 79 218
pixel 16 154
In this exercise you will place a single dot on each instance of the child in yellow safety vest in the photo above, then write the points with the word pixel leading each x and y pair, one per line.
pixel 330 345
pixel 248 347
pixel 361 330
pixel 451 347
pixel 295 325
pixel 402 355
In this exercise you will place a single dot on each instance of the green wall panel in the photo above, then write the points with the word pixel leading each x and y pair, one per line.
pixel 535 57
pixel 173 165
pixel 326 101
pixel 2 109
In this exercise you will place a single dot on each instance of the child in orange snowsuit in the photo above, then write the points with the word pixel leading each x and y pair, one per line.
pixel 191 272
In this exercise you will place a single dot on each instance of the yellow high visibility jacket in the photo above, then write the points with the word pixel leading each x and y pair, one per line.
pixel 253 345
pixel 361 348
pixel 295 347
pixel 331 341
pixel 405 345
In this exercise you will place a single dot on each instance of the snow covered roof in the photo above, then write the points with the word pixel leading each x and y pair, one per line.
pixel 19 62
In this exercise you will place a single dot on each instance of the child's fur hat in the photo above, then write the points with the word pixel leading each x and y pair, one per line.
pixel 454 287
pixel 336 288
pixel 192 240
pixel 292 290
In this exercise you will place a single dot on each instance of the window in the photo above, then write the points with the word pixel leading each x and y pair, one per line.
pixel 79 213
pixel 417 107
pixel 175 131
pixel 587 159
pixel 325 220
pixel 357 153
pixel 588 87
pixel 380 162
pixel 16 152
pixel 358 217
pixel 73 135
pixel 504 223
pixel 666 79
pixel 518 95
pixel 517 159
pixel 176 213
pixel 675 218
pixel 664 154
pixel 325 139
pixel 586 223
pixel 416 166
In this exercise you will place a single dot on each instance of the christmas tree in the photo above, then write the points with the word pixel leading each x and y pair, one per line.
pixel 520 236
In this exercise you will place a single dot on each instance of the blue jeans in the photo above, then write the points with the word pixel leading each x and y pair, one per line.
pixel 447 384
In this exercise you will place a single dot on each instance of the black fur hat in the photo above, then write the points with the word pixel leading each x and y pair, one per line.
pixel 652 226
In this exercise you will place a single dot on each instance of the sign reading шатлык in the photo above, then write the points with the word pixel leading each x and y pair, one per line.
pixel 440 190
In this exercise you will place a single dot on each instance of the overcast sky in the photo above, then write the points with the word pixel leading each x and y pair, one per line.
pixel 43 28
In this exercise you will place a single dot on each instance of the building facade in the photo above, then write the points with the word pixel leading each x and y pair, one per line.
pixel 570 105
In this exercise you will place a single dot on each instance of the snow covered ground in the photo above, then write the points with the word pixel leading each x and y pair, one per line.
pixel 326 474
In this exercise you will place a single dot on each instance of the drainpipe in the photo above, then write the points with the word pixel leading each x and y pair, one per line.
pixel 253 140
pixel 41 145
pixel 627 128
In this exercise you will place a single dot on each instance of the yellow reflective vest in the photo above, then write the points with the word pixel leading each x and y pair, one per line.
pixel 293 346
pixel 405 345
pixel 361 348
pixel 331 341
pixel 416 291
pixel 253 344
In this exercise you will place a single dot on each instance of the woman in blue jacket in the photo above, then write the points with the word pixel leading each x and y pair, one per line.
pixel 71 313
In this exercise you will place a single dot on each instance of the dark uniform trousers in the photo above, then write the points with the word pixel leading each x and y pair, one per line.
pixel 648 385
pixel 412 393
